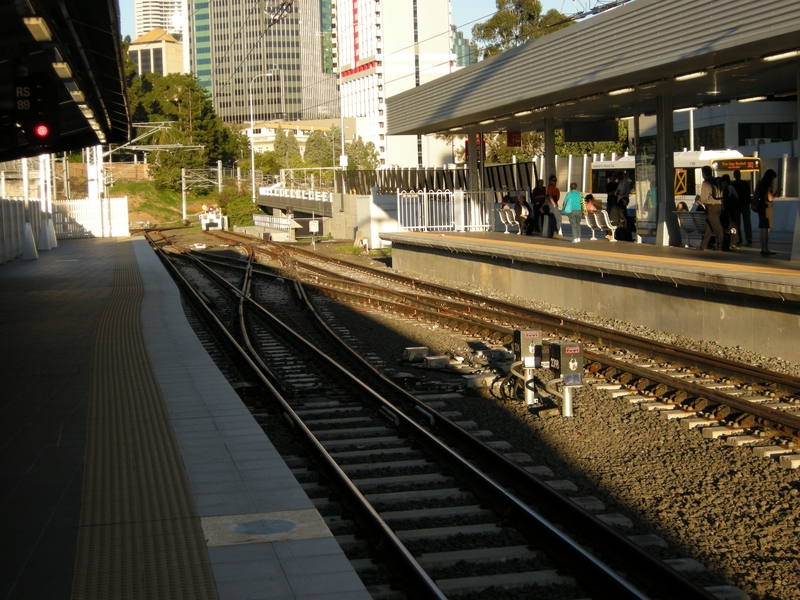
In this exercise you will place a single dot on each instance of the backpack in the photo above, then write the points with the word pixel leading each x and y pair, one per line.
pixel 755 201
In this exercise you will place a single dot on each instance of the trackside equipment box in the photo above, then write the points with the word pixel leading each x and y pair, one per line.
pixel 566 359
pixel 527 347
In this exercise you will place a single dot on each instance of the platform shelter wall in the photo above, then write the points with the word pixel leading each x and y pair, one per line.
pixel 767 325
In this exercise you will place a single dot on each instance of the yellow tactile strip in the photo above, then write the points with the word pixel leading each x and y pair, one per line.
pixel 140 536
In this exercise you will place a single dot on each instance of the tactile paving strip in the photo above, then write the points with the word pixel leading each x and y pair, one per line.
pixel 140 536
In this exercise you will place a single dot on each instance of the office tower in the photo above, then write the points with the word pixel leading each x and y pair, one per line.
pixel 158 14
pixel 283 60
pixel 384 48
pixel 156 52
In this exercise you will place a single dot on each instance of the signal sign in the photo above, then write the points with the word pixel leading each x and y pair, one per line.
pixel 36 107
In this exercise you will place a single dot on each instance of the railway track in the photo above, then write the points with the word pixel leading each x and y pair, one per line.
pixel 405 472
pixel 742 403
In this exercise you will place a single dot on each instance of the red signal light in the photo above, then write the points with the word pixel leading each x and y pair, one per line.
pixel 41 130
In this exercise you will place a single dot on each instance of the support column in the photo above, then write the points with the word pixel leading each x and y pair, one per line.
pixel 795 253
pixel 472 161
pixel 667 230
pixel 549 149
pixel 42 237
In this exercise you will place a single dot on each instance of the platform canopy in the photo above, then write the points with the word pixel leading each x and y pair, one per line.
pixel 70 51
pixel 615 65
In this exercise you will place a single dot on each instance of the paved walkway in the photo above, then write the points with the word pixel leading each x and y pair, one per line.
pixel 129 467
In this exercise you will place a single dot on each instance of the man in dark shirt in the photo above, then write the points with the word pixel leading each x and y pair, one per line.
pixel 743 190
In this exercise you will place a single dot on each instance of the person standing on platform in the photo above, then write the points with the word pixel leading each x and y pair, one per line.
pixel 743 190
pixel 611 191
pixel 710 198
pixel 623 187
pixel 730 213
pixel 553 197
pixel 765 195
pixel 538 197
pixel 619 217
pixel 574 210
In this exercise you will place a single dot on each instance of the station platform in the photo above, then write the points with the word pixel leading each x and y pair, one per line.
pixel 735 298
pixel 129 468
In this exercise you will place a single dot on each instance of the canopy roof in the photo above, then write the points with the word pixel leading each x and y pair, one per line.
pixel 616 65
pixel 75 46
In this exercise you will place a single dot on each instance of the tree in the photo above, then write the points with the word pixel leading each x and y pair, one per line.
pixel 361 156
pixel 514 23
pixel 180 99
pixel 320 149
pixel 287 150
pixel 498 151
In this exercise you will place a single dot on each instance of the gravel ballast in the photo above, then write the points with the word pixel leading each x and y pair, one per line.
pixel 734 512
pixel 737 514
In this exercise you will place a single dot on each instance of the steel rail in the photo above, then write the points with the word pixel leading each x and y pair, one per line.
pixel 432 308
pixel 602 334
pixel 381 535
pixel 587 568
pixel 648 568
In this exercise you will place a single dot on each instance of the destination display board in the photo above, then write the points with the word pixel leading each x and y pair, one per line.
pixel 745 164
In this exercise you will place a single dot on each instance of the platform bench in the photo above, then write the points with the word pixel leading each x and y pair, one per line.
pixel 691 222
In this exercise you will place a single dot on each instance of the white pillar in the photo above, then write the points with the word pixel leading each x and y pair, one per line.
pixel 667 230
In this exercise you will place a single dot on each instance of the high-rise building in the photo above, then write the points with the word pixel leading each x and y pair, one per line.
pixel 158 14
pixel 465 53
pixel 293 58
pixel 283 58
pixel 384 48
pixel 156 52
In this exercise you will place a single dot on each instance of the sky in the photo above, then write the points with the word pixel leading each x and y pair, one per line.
pixel 465 13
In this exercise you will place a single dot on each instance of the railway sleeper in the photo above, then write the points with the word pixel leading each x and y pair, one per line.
pixel 467 585
pixel 446 560
pixel 468 510
pixel 373 484
pixel 329 433
pixel 365 442
pixel 397 464
pixel 450 494
pixel 445 533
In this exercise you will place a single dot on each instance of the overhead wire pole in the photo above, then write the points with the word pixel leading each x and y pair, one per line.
pixel 252 139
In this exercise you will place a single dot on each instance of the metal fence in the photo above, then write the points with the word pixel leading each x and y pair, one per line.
pixel 84 218
pixel 281 223
pixel 444 210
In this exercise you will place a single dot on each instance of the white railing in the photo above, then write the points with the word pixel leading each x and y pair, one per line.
pixel 104 217
pixel 444 210
pixel 273 222
pixel 298 194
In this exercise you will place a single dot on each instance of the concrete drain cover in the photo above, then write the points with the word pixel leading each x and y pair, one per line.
pixel 265 527
pixel 280 526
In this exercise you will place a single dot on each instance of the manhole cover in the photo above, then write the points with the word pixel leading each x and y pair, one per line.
pixel 264 527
